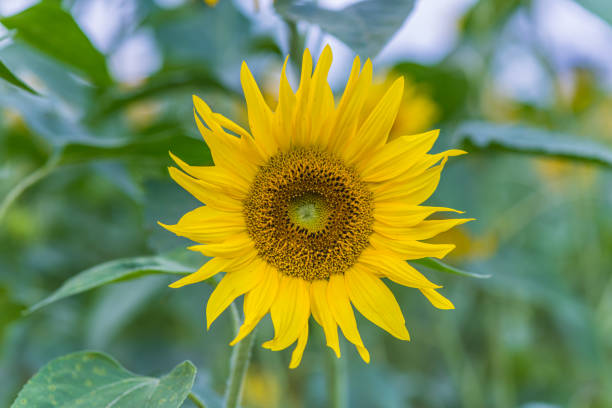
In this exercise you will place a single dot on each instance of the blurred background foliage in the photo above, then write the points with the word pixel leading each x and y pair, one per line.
pixel 95 93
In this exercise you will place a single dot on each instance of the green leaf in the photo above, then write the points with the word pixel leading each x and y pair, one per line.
pixel 365 26
pixel 521 139
pixel 111 272
pixel 440 266
pixel 89 379
pixel 8 76
pixel 51 30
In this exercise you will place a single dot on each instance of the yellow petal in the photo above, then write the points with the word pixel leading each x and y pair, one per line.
pixel 249 152
pixel 301 121
pixel 227 149
pixel 223 147
pixel 285 110
pixel 437 299
pixel 373 133
pixel 204 193
pixel 235 246
pixel 205 225
pixel 260 115
pixel 427 161
pixel 412 191
pixel 232 126
pixel 424 230
pixel 320 100
pixel 410 249
pixel 290 312
pixel 375 301
pixel 339 303
pixel 323 315
pixel 402 215
pixel 395 269
pixel 393 159
pixel 211 216
pixel 296 356
pixel 231 286
pixel 208 270
pixel 351 103
pixel 257 302
pixel 217 178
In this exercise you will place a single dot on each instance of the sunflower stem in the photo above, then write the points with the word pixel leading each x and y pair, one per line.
pixel 338 381
pixel 239 364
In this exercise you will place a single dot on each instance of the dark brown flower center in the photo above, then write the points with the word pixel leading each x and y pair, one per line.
pixel 308 214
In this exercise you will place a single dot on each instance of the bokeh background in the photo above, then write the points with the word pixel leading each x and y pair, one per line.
pixel 83 181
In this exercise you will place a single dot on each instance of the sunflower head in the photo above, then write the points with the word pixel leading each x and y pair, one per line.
pixel 308 214
pixel 311 209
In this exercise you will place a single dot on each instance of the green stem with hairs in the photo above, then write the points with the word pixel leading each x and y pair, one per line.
pixel 338 381
pixel 239 364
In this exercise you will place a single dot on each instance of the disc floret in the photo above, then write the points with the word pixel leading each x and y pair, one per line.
pixel 308 214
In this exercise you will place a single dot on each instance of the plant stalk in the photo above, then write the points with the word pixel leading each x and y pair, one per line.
pixel 338 381
pixel 239 364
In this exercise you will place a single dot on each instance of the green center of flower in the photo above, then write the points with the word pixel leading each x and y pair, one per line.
pixel 309 211
pixel 308 214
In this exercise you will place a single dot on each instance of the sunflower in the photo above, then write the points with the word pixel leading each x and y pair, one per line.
pixel 308 211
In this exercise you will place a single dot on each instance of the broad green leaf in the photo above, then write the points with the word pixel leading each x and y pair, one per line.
pixel 602 8
pixel 8 76
pixel 440 266
pixel 114 271
pixel 521 139
pixel 52 30
pixel 89 379
pixel 365 26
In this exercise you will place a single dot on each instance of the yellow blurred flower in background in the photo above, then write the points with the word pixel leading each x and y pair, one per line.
pixel 262 389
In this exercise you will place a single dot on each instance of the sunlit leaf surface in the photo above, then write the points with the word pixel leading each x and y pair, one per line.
pixel 95 380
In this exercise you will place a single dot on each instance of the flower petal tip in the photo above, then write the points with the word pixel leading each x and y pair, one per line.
pixel 176 285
